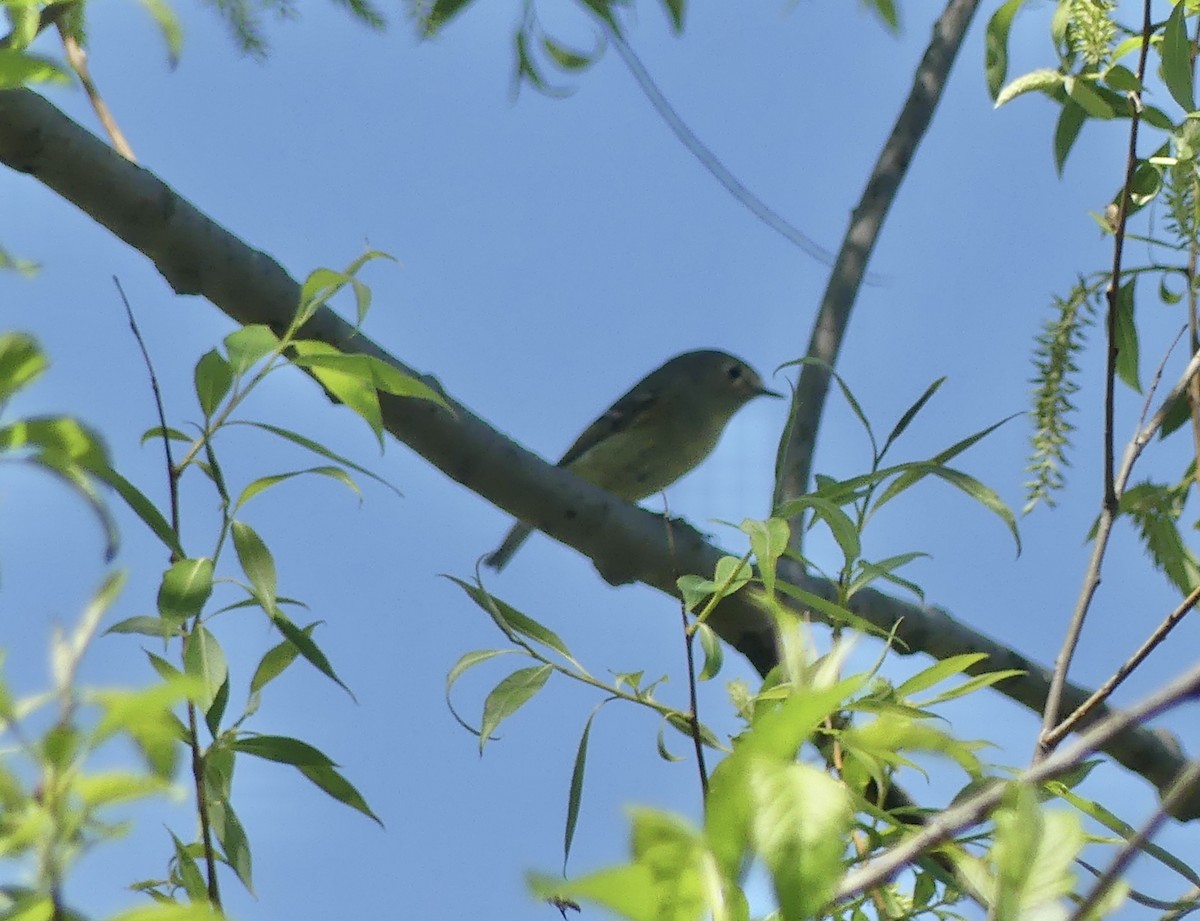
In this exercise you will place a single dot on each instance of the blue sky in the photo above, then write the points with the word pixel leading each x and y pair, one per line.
pixel 550 253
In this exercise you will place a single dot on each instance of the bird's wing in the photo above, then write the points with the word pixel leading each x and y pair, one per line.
pixel 619 417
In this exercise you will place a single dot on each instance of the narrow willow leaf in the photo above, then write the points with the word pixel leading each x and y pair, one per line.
pixel 714 655
pixel 1113 823
pixel 996 45
pixel 467 661
pixel 257 563
pixel 575 794
pixel 938 672
pixel 275 660
pixel 308 649
pixel 169 27
pixel 204 660
pixel 236 846
pixel 1126 337
pixel 141 506
pixel 968 687
pixel 283 749
pixel 307 443
pixel 213 378
pixel 262 484
pixel 508 696
pixel 911 413
pixel 214 714
pixel 1066 131
pixel 145 625
pixel 509 618
pixel 21 363
pixel 339 788
pixel 1176 52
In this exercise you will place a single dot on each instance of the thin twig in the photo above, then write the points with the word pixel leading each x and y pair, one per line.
pixel 708 159
pixel 1134 846
pixel 972 810
pixel 77 58
pixel 1105 690
pixel 1111 493
pixel 172 475
pixel 689 641
pixel 197 755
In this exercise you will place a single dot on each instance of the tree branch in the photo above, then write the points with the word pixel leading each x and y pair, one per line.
pixel 197 256
pixel 829 329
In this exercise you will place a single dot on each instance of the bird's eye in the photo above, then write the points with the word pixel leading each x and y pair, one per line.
pixel 734 372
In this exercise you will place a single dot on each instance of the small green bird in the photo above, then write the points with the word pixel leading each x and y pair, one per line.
pixel 667 424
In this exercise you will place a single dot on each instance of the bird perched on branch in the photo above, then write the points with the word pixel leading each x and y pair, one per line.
pixel 667 424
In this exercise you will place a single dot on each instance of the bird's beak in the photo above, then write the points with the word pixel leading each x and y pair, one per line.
pixel 764 392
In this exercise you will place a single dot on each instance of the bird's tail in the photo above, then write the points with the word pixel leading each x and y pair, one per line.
pixel 512 542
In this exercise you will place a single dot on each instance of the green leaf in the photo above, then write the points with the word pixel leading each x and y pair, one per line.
pixel 1083 92
pixel 937 673
pixel 257 563
pixel 308 649
pixel 511 621
pixel 390 379
pixel 996 45
pixel 911 413
pixel 714 654
pixel 235 844
pixel 213 378
pixel 768 541
pixel 841 526
pixel 348 378
pixel 214 714
pixel 627 891
pixel 21 363
pixel 1122 79
pixel 185 589
pixel 509 696
pixel 262 484
pixel 1126 337
pixel 1114 823
pixel 675 9
pixel 142 507
pixel 319 449
pixel 1176 52
pixel 1070 121
pixel 109 787
pixel 731 574
pixel 338 787
pixel 248 346
pixel 467 661
pixel 18 68
pixel 829 611
pixel 204 660
pixel 800 819
pixel 567 58
pixel 275 660
pixel 170 29
pixel 282 749
pixel 575 794
pixel 145 625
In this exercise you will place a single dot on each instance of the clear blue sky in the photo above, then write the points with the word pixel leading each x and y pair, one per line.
pixel 550 253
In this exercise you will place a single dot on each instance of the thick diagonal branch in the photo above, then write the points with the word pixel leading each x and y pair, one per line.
pixel 197 256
